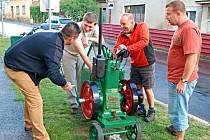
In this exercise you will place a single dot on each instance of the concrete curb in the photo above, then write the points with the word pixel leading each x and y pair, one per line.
pixel 189 115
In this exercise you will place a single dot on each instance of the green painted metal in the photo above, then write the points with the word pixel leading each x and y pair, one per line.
pixel 14 39
pixel 110 113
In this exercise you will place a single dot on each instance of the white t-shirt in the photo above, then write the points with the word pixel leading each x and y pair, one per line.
pixel 94 33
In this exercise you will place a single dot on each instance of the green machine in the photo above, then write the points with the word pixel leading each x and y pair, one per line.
pixel 107 98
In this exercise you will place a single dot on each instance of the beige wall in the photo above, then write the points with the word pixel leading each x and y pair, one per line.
pixel 21 16
pixel 154 11
pixel 204 22
pixel 191 5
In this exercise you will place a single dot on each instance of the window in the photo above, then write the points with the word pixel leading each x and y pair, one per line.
pixel 23 9
pixel 137 10
pixel 191 15
pixel 17 10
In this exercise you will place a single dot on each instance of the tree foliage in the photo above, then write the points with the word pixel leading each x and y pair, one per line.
pixel 36 15
pixel 74 9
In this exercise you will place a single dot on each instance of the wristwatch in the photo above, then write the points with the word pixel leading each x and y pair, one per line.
pixel 183 80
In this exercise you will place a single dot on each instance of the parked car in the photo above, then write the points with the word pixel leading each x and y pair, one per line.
pixel 57 23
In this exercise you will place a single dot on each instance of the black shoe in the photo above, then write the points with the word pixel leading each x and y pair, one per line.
pixel 170 129
pixel 27 129
pixel 74 110
pixel 150 116
pixel 141 112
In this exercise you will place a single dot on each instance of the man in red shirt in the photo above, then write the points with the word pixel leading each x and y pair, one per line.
pixel 183 58
pixel 135 38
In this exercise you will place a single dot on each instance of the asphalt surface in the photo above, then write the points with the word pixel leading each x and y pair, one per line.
pixel 11 112
pixel 199 103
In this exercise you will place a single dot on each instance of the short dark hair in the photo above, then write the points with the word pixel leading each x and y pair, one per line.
pixel 71 29
pixel 177 5
pixel 90 17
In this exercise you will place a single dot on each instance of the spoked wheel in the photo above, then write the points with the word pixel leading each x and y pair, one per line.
pixel 134 132
pixel 130 101
pixel 90 107
pixel 96 132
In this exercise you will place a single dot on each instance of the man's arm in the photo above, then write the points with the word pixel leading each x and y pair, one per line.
pixel 191 60
pixel 119 42
pixel 191 48
pixel 79 47
pixel 53 71
pixel 94 38
pixel 143 41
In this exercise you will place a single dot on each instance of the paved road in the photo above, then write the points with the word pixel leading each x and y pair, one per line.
pixel 199 103
pixel 15 28
pixel 11 112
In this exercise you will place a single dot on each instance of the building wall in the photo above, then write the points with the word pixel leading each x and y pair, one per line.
pixel 154 11
pixel 14 15
pixel 204 22
pixel 191 5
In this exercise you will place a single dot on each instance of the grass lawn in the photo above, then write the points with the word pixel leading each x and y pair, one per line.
pixel 63 126
pixel 4 44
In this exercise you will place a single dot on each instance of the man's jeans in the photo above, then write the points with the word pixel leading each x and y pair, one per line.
pixel 178 105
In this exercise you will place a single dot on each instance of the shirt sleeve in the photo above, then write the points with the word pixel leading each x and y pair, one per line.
pixel 118 42
pixel 191 40
pixel 143 39
pixel 52 61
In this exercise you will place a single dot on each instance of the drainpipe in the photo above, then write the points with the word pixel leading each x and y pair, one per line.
pixel 2 19
pixel 49 14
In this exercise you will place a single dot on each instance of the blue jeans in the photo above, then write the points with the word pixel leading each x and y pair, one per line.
pixel 178 105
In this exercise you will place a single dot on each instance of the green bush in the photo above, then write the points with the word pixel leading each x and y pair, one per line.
pixel 74 9
pixel 36 15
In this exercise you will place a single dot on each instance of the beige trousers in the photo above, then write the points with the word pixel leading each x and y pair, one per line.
pixel 33 112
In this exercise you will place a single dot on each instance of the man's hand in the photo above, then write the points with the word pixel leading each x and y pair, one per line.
pixel 121 47
pixel 180 87
pixel 90 67
pixel 68 86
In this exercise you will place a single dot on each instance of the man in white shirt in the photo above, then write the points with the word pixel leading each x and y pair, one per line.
pixel 73 55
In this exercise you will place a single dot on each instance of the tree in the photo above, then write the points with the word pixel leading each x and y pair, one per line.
pixel 75 9
pixel 36 15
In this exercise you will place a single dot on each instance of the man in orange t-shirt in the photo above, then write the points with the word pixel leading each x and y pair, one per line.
pixel 135 39
pixel 183 58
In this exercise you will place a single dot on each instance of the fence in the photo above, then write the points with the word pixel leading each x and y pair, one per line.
pixel 160 38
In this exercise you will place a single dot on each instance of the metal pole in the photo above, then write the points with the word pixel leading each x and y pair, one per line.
pixel 100 33
pixel 2 19
pixel 49 14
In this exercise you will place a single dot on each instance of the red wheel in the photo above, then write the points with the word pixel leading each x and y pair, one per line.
pixel 130 101
pixel 89 93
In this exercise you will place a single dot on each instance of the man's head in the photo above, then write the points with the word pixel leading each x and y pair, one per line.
pixel 89 21
pixel 70 32
pixel 175 12
pixel 127 22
